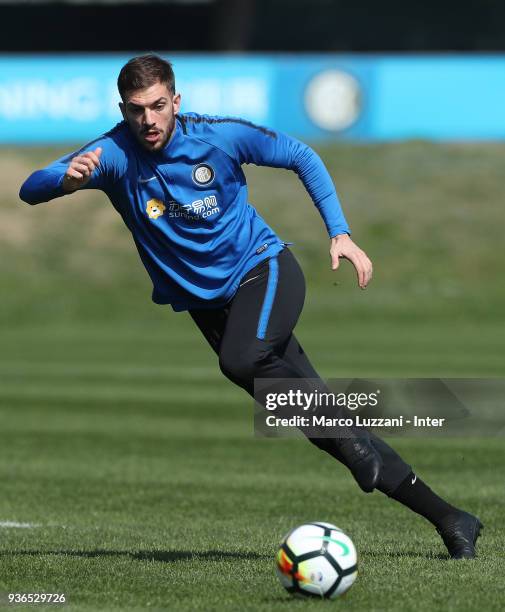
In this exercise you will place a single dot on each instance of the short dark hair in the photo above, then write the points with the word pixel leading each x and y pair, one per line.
pixel 143 71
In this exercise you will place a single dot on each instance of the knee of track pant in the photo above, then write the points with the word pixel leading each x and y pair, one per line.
pixel 242 364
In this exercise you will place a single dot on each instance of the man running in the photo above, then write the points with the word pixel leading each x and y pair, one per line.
pixel 177 182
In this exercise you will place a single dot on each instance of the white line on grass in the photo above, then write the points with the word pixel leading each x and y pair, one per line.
pixel 15 525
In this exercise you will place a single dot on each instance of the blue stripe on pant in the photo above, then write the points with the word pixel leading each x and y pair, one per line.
pixel 266 309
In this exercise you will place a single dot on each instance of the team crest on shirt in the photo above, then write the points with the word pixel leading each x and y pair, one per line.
pixel 155 208
pixel 203 174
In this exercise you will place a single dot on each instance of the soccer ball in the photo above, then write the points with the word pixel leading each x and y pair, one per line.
pixel 317 560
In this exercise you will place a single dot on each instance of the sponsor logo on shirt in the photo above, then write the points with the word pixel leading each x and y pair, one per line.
pixel 155 208
pixel 199 209
pixel 203 174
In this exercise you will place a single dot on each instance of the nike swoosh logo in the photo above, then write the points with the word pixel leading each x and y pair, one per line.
pixel 153 178
pixel 249 280
pixel 414 479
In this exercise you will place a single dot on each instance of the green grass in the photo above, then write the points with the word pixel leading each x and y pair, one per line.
pixel 136 459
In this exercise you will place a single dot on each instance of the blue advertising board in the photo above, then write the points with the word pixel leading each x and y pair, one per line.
pixel 73 98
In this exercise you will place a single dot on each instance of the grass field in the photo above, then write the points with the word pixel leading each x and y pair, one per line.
pixel 133 461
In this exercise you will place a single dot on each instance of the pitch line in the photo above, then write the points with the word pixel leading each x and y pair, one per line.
pixel 16 525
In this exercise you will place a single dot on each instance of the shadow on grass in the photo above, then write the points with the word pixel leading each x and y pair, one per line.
pixel 400 554
pixel 164 556
pixel 169 556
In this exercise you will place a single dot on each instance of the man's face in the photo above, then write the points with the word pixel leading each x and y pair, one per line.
pixel 150 113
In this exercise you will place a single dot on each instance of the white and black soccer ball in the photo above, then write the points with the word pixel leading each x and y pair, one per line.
pixel 317 560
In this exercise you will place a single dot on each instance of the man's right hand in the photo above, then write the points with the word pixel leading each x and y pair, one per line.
pixel 80 169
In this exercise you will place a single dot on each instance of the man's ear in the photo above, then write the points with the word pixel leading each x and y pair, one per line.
pixel 176 101
pixel 122 109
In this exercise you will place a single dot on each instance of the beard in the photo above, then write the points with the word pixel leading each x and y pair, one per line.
pixel 162 141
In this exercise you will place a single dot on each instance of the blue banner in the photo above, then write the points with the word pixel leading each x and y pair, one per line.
pixel 73 98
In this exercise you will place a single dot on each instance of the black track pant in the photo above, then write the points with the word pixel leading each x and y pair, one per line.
pixel 253 337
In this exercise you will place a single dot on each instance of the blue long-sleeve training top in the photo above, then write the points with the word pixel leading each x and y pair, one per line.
pixel 187 204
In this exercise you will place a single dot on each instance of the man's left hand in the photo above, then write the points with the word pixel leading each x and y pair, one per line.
pixel 343 246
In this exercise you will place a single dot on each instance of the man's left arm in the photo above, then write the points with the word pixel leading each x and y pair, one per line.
pixel 263 147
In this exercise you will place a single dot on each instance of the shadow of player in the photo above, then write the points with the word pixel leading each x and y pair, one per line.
pixel 163 556
pixel 412 554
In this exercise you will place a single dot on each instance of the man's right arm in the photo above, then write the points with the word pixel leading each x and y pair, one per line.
pixel 63 176
pixel 97 165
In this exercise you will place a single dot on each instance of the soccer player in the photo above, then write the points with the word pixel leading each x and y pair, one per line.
pixel 177 182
